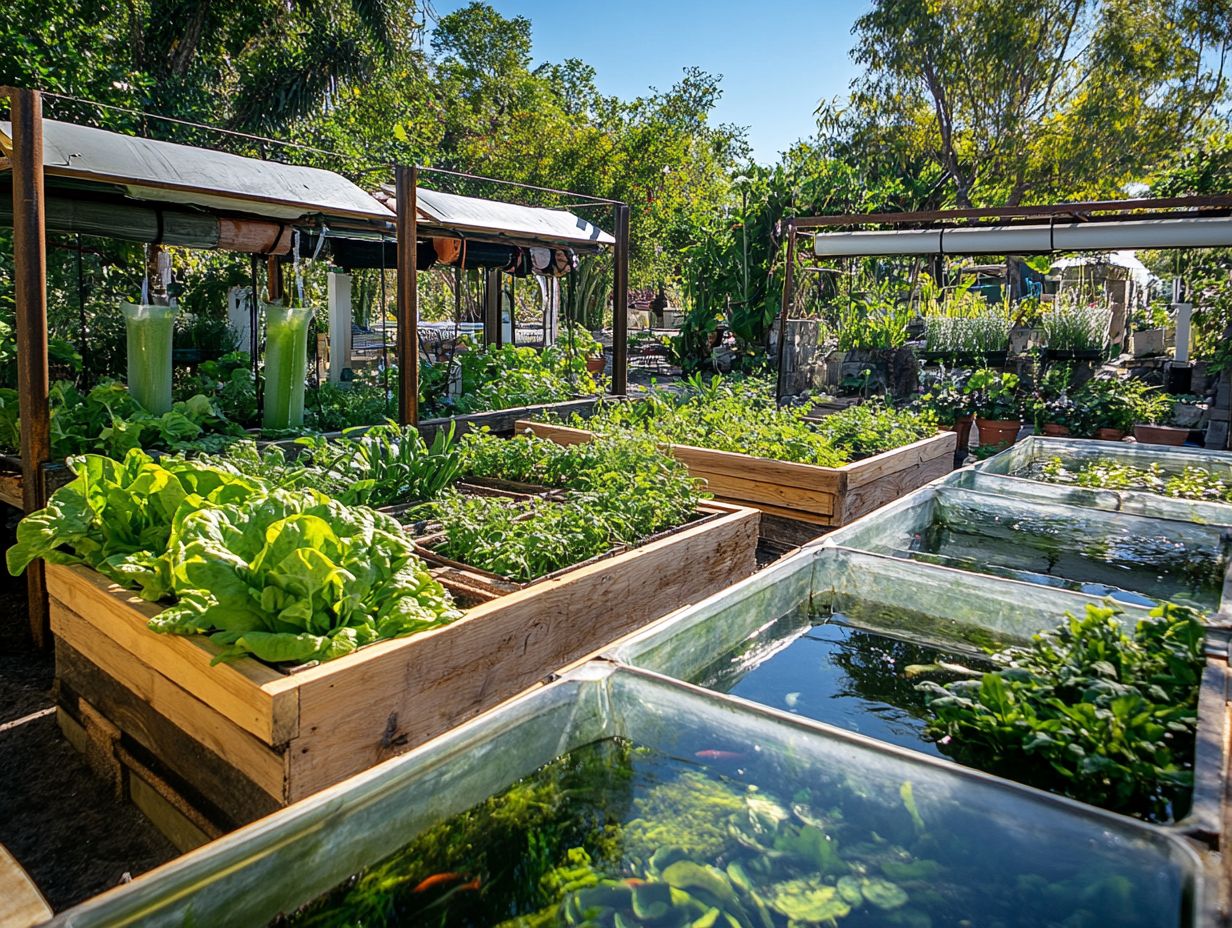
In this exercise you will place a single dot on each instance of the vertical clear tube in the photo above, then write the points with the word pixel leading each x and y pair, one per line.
pixel 286 365
pixel 149 330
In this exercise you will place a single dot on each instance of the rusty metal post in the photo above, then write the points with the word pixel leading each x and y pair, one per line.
pixel 406 181
pixel 273 279
pixel 620 302
pixel 30 280
pixel 789 295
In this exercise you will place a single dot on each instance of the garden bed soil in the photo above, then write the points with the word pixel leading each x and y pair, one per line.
pixel 206 748
pixel 825 496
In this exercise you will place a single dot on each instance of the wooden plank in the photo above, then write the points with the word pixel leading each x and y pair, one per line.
pixel 891 486
pixel 247 692
pixel 178 828
pixel 21 903
pixel 861 473
pixel 500 648
pixel 747 490
pixel 10 491
pixel 198 721
pixel 830 521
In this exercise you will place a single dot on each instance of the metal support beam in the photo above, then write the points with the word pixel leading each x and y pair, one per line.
pixel 620 302
pixel 789 295
pixel 406 181
pixel 491 307
pixel 30 291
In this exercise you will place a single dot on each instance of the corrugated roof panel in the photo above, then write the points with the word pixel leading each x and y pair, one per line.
pixel 168 172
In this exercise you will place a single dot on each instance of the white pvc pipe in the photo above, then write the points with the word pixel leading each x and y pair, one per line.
pixel 1185 232
pixel 338 292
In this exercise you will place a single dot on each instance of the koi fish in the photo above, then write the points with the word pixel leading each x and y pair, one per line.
pixel 436 880
pixel 712 754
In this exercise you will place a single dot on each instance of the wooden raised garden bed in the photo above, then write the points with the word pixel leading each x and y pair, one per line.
pixel 826 496
pixel 203 748
pixel 501 421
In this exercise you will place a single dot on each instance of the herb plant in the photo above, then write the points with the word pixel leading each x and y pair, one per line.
pixel 875 427
pixel 1088 711
pixel 946 396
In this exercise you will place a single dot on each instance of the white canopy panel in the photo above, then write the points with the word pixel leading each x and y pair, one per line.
pixel 472 214
pixel 170 173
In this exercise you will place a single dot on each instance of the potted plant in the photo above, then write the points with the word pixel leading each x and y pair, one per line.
pixel 1053 411
pixel 947 398
pixel 1109 407
pixel 1154 411
pixel 997 406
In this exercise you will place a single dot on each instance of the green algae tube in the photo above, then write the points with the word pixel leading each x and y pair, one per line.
pixel 286 365
pixel 149 330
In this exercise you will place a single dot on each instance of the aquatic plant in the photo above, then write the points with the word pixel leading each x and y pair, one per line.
pixel 1192 482
pixel 1087 711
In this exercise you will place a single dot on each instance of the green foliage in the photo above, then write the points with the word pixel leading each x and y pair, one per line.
pixel 385 464
pixel 995 395
pixel 1076 328
pixel 726 415
pixel 228 381
pixel 332 407
pixel 1192 482
pixel 875 427
pixel 1072 101
pixel 621 489
pixel 946 396
pixel 286 576
pixel 109 421
pixel 506 377
pixel 1088 711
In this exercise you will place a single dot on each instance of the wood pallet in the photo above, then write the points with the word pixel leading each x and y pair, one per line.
pixel 237 741
pixel 826 496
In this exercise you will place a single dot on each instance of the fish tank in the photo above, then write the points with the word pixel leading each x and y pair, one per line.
pixel 148 332
pixel 1132 559
pixel 1189 484
pixel 619 797
pixel 849 639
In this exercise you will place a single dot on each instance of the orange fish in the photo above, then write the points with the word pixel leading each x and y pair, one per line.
pixel 472 886
pixel 436 880
pixel 718 755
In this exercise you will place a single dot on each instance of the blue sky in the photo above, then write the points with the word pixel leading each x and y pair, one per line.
pixel 777 59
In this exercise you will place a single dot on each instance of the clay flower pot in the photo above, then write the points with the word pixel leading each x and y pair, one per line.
pixel 1109 434
pixel 1160 434
pixel 1056 430
pixel 962 428
pixel 1000 432
pixel 596 365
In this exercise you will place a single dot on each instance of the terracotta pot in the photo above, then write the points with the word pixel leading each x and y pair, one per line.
pixel 1109 434
pixel 596 365
pixel 1056 430
pixel 1001 432
pixel 1160 434
pixel 962 428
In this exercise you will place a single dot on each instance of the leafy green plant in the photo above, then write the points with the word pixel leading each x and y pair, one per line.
pixel 385 464
pixel 1050 403
pixel 982 334
pixel 621 489
pixel 1087 711
pixel 1192 482
pixel 229 382
pixel 1111 402
pixel 506 377
pixel 995 395
pixel 946 396
pixel 287 576
pixel 108 420
pixel 875 427
pixel 736 415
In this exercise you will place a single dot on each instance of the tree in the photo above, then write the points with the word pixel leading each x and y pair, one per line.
pixel 1077 98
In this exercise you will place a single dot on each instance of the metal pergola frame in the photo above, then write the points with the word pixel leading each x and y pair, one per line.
pixel 1094 211
pixel 406 194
